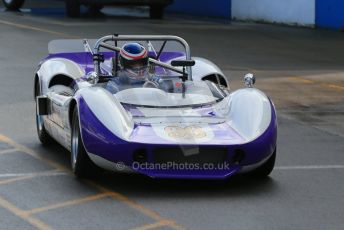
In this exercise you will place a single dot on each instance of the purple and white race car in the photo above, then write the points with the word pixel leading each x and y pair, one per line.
pixel 192 127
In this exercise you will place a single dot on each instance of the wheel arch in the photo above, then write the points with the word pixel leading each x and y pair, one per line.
pixel 51 70
pixel 61 79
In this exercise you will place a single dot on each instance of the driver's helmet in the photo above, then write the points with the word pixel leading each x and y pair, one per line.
pixel 134 60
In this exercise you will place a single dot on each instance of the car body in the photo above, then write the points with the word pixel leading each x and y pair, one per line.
pixel 73 6
pixel 197 122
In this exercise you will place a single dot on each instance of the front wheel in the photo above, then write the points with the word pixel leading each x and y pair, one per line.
pixel 73 8
pixel 13 4
pixel 265 169
pixel 81 163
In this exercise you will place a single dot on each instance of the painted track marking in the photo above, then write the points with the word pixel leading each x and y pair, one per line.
pixel 44 173
pixel 20 213
pixel 155 225
pixel 2 152
pixel 67 203
pixel 309 167
pixel 115 195
pixel 34 28
pixel 8 181
pixel 337 87
pixel 300 79
pixel 307 81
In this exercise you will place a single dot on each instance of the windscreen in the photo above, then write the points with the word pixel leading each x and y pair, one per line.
pixel 194 94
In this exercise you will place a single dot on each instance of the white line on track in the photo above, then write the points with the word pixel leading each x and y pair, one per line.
pixel 46 173
pixel 7 151
pixel 309 167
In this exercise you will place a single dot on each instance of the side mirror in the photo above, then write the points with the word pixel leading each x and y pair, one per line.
pixel 249 80
pixel 183 63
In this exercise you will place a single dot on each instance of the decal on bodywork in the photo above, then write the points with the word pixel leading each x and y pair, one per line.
pixel 184 133
pixel 188 132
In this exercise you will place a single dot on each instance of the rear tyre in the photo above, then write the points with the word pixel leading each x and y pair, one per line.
pixel 156 11
pixel 265 169
pixel 42 133
pixel 82 166
pixel 73 8
pixel 13 4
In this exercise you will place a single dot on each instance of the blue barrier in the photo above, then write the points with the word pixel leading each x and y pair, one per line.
pixel 206 8
pixel 330 14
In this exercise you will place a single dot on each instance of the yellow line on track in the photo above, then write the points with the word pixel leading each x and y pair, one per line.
pixel 8 181
pixel 2 152
pixel 20 213
pixel 158 224
pixel 32 153
pixel 21 26
pixel 115 195
pixel 67 203
pixel 306 81
pixel 337 87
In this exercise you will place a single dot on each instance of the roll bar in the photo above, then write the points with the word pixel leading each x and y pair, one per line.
pixel 102 43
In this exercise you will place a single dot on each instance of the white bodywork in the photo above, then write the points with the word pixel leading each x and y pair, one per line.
pixel 204 68
pixel 247 111
pixel 58 66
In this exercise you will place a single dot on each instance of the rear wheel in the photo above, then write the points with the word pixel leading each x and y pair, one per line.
pixel 13 4
pixel 81 163
pixel 265 169
pixel 156 11
pixel 73 8
pixel 42 133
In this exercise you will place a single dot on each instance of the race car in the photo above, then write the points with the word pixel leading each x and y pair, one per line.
pixel 188 124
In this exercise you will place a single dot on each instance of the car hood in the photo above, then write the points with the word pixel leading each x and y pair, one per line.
pixel 181 126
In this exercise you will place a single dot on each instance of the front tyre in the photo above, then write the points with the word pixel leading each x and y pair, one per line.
pixel 265 169
pixel 73 8
pixel 82 166
pixel 13 4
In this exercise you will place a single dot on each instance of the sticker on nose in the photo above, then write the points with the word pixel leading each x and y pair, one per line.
pixel 189 132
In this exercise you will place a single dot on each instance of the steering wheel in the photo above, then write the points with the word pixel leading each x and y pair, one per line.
pixel 150 84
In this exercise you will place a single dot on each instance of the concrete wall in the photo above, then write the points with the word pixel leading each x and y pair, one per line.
pixel 300 12
pixel 204 8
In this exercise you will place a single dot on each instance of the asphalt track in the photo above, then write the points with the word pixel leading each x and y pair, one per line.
pixel 300 69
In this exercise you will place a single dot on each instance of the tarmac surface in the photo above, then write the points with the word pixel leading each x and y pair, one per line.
pixel 301 69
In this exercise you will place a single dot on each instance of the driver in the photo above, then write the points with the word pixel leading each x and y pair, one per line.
pixel 134 66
